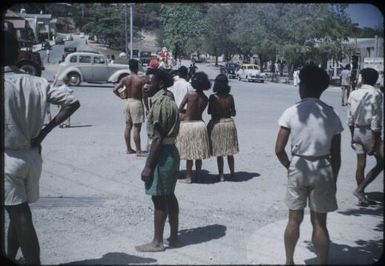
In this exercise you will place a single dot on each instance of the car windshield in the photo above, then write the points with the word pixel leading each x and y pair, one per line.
pixel 231 65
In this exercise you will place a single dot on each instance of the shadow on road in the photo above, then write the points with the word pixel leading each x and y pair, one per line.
pixel 375 207
pixel 114 258
pixel 74 126
pixel 201 234
pixel 365 252
pixel 207 178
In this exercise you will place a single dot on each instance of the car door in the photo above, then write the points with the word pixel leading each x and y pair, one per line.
pixel 85 66
pixel 100 69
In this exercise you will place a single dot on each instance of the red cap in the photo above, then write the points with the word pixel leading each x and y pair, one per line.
pixel 153 63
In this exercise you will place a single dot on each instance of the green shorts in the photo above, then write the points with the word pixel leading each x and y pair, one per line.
pixel 165 174
pixel 311 180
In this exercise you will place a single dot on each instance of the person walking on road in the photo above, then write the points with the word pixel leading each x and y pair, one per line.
pixel 48 53
pixel 132 86
pixel 365 118
pixel 345 85
pixel 25 103
pixel 161 170
pixel 181 87
pixel 222 132
pixel 64 87
pixel 192 141
pixel 315 132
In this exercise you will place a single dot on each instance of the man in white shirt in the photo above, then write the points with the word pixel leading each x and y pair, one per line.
pixel 181 87
pixel 345 84
pixel 25 103
pixel 365 117
pixel 315 131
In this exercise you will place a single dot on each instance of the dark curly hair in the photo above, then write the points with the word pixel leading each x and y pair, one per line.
pixel 314 79
pixel 369 76
pixel 221 84
pixel 200 81
pixel 161 75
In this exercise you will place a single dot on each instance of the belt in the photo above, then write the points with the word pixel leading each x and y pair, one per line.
pixel 312 158
pixel 168 141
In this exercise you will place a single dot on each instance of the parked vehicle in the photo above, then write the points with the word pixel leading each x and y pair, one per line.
pixel 231 70
pixel 29 61
pixel 145 57
pixel 90 67
pixel 59 40
pixel 45 45
pixel 69 37
pixel 251 72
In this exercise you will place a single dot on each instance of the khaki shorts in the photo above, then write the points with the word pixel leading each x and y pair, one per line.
pixel 134 111
pixel 313 180
pixel 363 139
pixel 22 169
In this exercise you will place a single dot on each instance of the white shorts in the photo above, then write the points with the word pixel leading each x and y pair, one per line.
pixel 22 169
pixel 312 181
pixel 363 139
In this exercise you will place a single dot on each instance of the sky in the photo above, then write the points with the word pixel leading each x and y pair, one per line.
pixel 366 15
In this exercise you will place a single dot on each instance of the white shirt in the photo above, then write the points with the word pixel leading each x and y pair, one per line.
pixel 345 77
pixel 365 107
pixel 25 103
pixel 179 89
pixel 312 124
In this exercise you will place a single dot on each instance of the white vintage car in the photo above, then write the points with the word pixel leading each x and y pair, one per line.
pixel 250 72
pixel 91 67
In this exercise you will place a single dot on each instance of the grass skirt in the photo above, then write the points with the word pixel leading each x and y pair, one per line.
pixel 193 141
pixel 223 137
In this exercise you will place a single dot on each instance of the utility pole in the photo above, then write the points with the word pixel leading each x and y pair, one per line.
pixel 125 28
pixel 131 22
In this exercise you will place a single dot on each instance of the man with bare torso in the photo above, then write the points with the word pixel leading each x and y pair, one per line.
pixel 134 111
pixel 192 141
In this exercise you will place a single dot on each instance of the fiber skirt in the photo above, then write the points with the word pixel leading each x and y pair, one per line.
pixel 223 137
pixel 193 141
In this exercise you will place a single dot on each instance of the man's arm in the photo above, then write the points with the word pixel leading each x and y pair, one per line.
pixel 233 112
pixel 336 155
pixel 65 112
pixel 183 103
pixel 118 86
pixel 155 149
pixel 282 138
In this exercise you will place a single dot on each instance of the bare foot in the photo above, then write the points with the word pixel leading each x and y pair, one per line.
pixel 187 180
pixel 141 154
pixel 361 197
pixel 172 243
pixel 130 151
pixel 150 247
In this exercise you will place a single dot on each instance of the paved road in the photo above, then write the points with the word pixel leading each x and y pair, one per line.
pixel 93 209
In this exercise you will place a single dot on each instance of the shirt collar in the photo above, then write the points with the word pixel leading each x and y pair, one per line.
pixel 158 95
pixel 367 86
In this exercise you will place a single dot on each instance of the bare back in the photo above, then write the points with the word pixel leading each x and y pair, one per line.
pixel 134 85
pixel 196 102
pixel 221 106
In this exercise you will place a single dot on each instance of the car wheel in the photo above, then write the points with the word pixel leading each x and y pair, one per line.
pixel 74 79
pixel 29 68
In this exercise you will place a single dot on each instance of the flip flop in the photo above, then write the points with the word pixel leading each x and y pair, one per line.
pixel 131 152
pixel 362 200
pixel 186 181
pixel 149 248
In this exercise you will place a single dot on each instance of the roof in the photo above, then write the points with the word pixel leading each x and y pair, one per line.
pixel 17 21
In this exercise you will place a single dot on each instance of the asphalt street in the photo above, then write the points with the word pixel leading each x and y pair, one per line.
pixel 93 209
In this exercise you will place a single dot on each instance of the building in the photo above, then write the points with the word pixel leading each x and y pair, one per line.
pixel 43 25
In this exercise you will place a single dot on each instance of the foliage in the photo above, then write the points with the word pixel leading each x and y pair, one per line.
pixel 181 24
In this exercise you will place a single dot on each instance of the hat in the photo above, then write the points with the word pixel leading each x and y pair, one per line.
pixel 153 63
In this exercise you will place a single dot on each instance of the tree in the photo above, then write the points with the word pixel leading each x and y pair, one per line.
pixel 181 23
